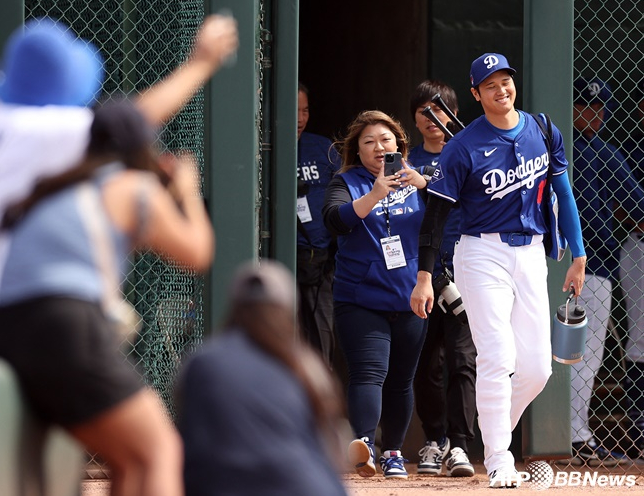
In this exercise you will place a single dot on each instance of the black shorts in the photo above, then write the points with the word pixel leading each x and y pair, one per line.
pixel 66 357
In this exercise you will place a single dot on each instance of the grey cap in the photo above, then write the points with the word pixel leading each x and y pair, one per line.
pixel 268 282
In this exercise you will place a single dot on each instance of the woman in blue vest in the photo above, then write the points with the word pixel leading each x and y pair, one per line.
pixel 376 219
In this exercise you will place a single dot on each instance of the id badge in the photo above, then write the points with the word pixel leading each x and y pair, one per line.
pixel 303 210
pixel 393 251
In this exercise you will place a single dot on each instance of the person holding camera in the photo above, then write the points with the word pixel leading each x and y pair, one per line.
pixel 376 217
pixel 446 411
pixel 496 169
pixel 317 163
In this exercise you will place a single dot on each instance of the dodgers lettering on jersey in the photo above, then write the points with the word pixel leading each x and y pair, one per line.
pixel 525 174
pixel 480 167
pixel 308 171
pixel 317 163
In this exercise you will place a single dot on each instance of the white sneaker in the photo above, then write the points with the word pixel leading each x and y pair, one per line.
pixel 362 456
pixel 458 464
pixel 504 478
pixel 431 457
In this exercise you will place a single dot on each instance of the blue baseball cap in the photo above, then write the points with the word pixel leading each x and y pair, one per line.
pixel 589 91
pixel 44 64
pixel 487 64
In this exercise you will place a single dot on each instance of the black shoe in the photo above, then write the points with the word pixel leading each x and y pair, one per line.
pixel 593 455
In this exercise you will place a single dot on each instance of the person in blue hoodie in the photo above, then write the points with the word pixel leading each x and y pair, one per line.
pixel 376 219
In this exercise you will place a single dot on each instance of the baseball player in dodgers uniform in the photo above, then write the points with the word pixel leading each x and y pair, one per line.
pixel 496 169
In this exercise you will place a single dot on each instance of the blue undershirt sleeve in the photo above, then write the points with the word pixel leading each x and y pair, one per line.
pixel 568 214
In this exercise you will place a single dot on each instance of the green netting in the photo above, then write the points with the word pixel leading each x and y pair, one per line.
pixel 142 41
pixel 608 44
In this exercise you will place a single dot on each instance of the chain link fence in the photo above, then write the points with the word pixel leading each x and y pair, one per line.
pixel 607 386
pixel 142 41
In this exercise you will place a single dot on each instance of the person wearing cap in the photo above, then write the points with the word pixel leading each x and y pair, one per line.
pixel 603 183
pixel 631 268
pixel 496 169
pixel 70 240
pixel 258 410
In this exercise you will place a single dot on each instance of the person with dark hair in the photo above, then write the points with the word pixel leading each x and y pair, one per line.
pixel 376 218
pixel 258 403
pixel 317 163
pixel 446 412
pixel 496 169
pixel 51 78
pixel 603 182
pixel 69 242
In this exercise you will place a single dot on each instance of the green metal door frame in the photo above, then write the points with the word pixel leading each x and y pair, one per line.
pixel 548 66
pixel 284 165
pixel 231 162
pixel 13 15
pixel 233 145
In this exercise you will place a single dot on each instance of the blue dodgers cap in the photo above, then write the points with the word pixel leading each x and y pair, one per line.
pixel 44 64
pixel 487 64
pixel 589 91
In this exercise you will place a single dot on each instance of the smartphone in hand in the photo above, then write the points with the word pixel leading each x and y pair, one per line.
pixel 393 163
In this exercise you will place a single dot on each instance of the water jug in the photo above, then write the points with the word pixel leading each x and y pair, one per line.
pixel 569 332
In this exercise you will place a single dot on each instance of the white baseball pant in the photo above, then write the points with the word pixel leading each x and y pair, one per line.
pixel 595 297
pixel 505 294
pixel 631 274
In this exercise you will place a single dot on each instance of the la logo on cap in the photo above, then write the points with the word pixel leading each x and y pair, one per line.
pixel 491 61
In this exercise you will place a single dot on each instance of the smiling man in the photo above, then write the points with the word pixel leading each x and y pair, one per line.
pixel 500 263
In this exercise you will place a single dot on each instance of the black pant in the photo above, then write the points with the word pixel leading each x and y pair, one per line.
pixel 316 316
pixel 447 409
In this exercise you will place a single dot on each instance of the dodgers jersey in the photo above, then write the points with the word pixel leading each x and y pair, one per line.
pixel 498 179
pixel 317 163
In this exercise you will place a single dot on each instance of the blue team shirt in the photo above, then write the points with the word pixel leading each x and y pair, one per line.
pixel 419 157
pixel 497 178
pixel 602 181
pixel 317 163
pixel 361 274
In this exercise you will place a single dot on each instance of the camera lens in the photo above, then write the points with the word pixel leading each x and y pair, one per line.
pixel 389 158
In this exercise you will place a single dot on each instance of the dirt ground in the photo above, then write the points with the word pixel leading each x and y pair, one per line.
pixel 449 486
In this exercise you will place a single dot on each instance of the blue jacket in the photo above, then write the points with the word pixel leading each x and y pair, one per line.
pixel 361 275
pixel 247 425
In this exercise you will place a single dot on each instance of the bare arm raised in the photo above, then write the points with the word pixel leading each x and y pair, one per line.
pixel 215 41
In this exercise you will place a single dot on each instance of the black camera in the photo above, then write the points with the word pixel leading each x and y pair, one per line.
pixel 450 298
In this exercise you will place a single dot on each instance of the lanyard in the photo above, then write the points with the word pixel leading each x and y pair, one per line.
pixel 385 209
